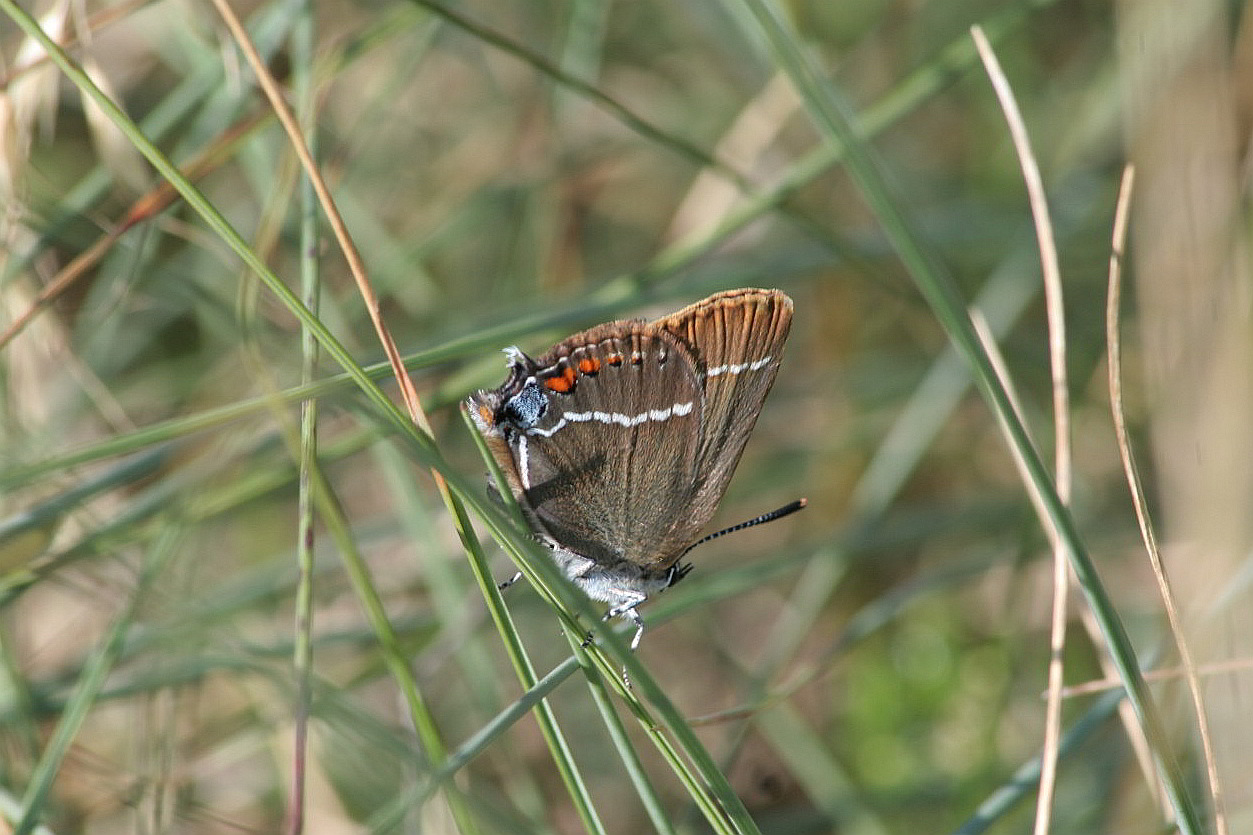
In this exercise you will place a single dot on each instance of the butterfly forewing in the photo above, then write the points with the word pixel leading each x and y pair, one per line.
pixel 738 337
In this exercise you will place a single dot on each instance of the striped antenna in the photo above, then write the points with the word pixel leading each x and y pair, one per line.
pixel 786 510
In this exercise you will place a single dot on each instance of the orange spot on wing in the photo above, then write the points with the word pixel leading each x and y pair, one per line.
pixel 589 365
pixel 563 383
pixel 615 359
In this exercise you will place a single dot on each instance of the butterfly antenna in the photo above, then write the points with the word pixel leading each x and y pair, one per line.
pixel 786 510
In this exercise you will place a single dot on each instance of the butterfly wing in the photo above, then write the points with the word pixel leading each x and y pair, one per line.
pixel 601 438
pixel 620 442
pixel 737 337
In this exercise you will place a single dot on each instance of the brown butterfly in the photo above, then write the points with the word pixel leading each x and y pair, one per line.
pixel 618 443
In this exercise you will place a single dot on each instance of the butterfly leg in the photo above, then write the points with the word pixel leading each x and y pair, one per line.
pixel 677 572
pixel 627 610
pixel 632 615
pixel 515 578
pixel 628 600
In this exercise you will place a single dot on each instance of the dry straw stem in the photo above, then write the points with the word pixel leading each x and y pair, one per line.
pixel 353 257
pixel 834 117
pixel 1136 488
pixel 1135 734
pixel 426 723
pixel 1185 83
pixel 1224 668
pixel 147 207
pixel 1055 310
pixel 1048 757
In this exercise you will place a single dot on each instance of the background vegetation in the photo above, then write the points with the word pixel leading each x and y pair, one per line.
pixel 512 172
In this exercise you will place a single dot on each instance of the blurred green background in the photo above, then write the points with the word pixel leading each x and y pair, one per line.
pixel 513 172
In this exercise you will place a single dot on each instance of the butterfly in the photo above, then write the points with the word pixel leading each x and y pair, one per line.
pixel 619 442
